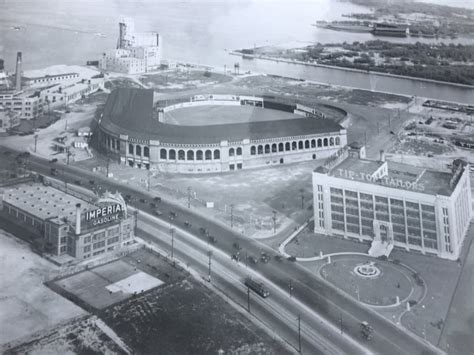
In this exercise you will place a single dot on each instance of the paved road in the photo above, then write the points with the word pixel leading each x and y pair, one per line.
pixel 320 296
pixel 278 311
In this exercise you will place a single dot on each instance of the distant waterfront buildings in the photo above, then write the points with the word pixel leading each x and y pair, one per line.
pixel 135 53
pixel 393 204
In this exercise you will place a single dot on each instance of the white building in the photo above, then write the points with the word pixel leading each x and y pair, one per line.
pixel 393 204
pixel 136 52
pixel 26 104
pixel 8 119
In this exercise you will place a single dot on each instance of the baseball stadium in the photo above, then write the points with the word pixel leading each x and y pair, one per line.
pixel 215 133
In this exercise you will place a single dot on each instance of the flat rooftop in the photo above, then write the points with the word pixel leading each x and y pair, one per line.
pixel 400 176
pixel 44 202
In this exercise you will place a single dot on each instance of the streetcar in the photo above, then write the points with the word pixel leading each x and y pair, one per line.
pixel 257 287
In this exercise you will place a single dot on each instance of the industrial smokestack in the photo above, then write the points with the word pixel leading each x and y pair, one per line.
pixel 382 155
pixel 78 219
pixel 18 72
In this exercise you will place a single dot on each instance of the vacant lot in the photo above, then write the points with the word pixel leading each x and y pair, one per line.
pixel 26 305
pixel 186 318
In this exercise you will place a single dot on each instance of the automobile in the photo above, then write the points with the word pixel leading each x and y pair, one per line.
pixel 127 197
pixel 53 160
pixel 212 239
pixel 279 258
pixel 237 246
pixel 157 213
pixel 203 230
pixel 252 259
pixel 92 182
pixel 236 257
pixel 7 152
pixel 366 330
pixel 142 200
pixel 264 258
pixel 292 258
pixel 78 182
pixel 157 199
pixel 152 205
pixel 54 171
pixel 187 224
pixel 173 214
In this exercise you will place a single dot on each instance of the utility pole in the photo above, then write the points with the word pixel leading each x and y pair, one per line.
pixel 340 321
pixel 299 333
pixel 107 167
pixel 172 243
pixel 189 196
pixel 210 258
pixel 232 216
pixel 36 141
pixel 68 154
pixel 291 288
pixel 389 122
pixel 148 177
pixel 274 221
pixel 378 128
pixel 365 138
pixel 302 198
pixel 248 299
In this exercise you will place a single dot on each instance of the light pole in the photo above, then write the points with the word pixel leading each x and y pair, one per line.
pixel 248 299
pixel 274 221
pixel 291 288
pixel 172 230
pixel 36 141
pixel 302 198
pixel 189 196
pixel 232 216
pixel 210 258
pixel 299 333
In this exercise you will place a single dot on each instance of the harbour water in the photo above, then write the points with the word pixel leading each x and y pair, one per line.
pixel 197 31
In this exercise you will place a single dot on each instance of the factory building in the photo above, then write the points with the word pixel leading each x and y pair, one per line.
pixel 392 204
pixel 135 53
pixel 68 223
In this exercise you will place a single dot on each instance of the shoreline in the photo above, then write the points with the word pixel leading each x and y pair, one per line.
pixel 299 62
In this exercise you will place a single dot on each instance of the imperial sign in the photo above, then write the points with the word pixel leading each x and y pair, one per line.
pixel 104 214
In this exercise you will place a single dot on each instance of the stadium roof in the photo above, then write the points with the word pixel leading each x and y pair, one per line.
pixel 131 111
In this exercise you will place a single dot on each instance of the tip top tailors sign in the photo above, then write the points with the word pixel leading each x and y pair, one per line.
pixel 104 215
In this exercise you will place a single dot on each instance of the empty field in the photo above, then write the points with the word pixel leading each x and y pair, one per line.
pixel 26 305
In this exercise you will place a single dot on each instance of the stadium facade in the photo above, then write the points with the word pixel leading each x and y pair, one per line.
pixel 392 204
pixel 67 223
pixel 132 130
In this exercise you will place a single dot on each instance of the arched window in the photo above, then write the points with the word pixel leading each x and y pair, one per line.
pixel 239 151
pixel 117 144
pixel 181 154
pixel 331 141
pixel 253 151
pixel 306 144
pixel 146 152
pixel 300 145
pixel 260 149
pixel 338 141
pixel 172 154
pixel 287 146
pixel 274 148
pixel 217 154
pixel 281 147
pixel 320 142
pixel 294 145
pixel 190 155
pixel 208 155
pixel 163 154
pixel 130 149
pixel 267 148
pixel 231 152
pixel 325 142
pixel 199 155
pixel 138 150
pixel 313 143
